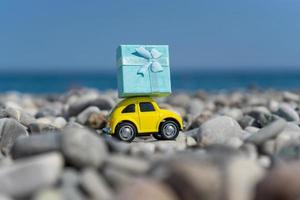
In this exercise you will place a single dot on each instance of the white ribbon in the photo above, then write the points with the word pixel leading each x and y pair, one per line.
pixel 151 56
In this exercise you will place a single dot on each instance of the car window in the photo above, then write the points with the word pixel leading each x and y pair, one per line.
pixel 146 107
pixel 129 109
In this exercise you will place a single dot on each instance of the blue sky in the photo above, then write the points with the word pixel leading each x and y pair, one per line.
pixel 202 34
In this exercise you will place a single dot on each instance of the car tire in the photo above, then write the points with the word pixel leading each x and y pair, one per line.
pixel 157 136
pixel 125 132
pixel 169 130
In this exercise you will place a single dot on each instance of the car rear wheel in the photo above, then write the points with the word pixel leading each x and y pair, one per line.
pixel 125 131
pixel 169 130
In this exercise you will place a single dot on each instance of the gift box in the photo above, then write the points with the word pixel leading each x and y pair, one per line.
pixel 143 70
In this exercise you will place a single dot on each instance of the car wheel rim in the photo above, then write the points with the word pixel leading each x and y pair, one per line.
pixel 169 130
pixel 126 132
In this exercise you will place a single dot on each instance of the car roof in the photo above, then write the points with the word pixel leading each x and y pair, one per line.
pixel 130 100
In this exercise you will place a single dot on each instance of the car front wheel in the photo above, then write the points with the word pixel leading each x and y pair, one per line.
pixel 169 130
pixel 125 132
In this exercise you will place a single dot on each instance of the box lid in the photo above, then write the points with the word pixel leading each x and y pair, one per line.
pixel 138 55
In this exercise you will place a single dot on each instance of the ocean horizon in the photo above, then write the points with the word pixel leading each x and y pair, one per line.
pixel 192 80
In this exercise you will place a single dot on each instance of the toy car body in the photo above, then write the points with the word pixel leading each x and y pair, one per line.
pixel 141 115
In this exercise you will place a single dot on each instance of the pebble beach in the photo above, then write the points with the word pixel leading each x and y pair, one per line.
pixel 237 145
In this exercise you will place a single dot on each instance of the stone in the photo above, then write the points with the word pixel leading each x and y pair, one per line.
pixel 234 142
pixel 49 194
pixel 142 148
pixel 234 113
pixel 10 129
pixel 180 100
pixel 59 122
pixel 252 129
pixel 195 107
pixel 94 185
pixel 38 128
pixel 116 145
pixel 20 115
pixel 246 121
pixel 96 121
pixel 117 178
pixel 282 183
pixel 218 130
pixel 83 117
pixel 36 144
pixel 289 96
pixel 70 177
pixel 250 151
pixel 71 193
pixel 128 164
pixel 261 115
pixel 46 112
pixel 264 161
pixel 194 180
pixel 102 102
pixel 288 113
pixel 192 132
pixel 241 177
pixel 289 153
pixel 268 132
pixel 82 148
pixel 190 141
pixel 27 176
pixel 4 197
pixel 146 189
pixel 268 147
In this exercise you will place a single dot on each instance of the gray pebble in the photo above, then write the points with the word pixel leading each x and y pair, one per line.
pixel 83 117
pixel 288 113
pixel 29 175
pixel 36 144
pixel 83 148
pixel 10 129
pixel 94 185
pixel 218 130
pixel 268 132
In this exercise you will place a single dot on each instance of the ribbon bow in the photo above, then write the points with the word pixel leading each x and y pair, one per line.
pixel 151 56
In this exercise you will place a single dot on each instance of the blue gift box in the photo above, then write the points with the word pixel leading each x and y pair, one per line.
pixel 143 70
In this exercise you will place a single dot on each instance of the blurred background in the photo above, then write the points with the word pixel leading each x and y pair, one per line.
pixel 53 45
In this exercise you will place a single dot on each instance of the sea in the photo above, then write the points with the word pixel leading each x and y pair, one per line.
pixel 57 82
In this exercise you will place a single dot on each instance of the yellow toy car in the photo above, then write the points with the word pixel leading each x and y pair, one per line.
pixel 141 115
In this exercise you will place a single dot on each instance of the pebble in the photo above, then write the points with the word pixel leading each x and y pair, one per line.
pixel 94 185
pixel 59 122
pixel 281 183
pixel 246 121
pixel 242 176
pixel 103 103
pixel 218 130
pixel 10 129
pixel 146 190
pixel 36 144
pixel 96 121
pixel 29 175
pixel 20 115
pixel 288 113
pixel 233 142
pixel 289 96
pixel 268 132
pixel 83 148
pixel 83 117
pixel 186 178
pixel 127 164
pixel 195 107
